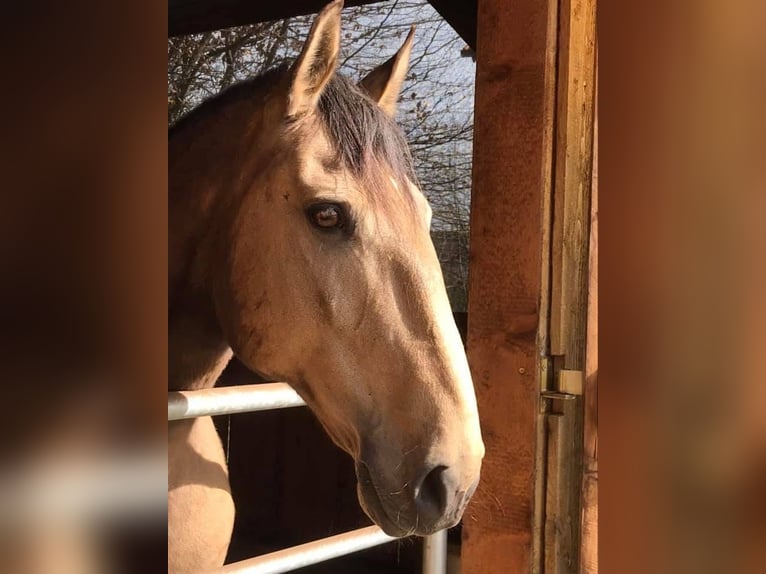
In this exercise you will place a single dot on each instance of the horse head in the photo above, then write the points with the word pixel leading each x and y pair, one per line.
pixel 325 276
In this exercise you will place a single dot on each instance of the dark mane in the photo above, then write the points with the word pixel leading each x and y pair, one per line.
pixel 357 128
pixel 361 133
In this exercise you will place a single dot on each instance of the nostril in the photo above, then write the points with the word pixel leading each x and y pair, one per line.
pixel 431 495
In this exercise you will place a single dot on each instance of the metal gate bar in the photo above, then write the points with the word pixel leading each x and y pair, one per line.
pixel 311 552
pixel 435 553
pixel 270 396
pixel 231 400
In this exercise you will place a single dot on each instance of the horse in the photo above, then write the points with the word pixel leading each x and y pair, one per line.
pixel 299 242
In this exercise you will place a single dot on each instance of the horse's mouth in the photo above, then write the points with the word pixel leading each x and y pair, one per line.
pixel 395 519
pixel 371 503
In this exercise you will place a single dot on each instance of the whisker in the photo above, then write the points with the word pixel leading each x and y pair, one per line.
pixel 400 490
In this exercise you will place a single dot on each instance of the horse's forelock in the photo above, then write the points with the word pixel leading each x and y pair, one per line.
pixel 367 141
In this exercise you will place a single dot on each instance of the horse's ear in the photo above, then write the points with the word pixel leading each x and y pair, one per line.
pixel 317 61
pixel 384 82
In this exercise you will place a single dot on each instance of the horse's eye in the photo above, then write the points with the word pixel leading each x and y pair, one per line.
pixel 327 216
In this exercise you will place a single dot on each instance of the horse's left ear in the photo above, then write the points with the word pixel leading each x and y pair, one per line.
pixel 384 83
pixel 317 61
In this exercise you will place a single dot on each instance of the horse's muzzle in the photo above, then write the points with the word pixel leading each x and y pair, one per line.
pixel 434 500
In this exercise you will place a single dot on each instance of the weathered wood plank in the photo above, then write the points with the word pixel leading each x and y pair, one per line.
pixel 569 274
pixel 589 543
pixel 545 364
pixel 563 470
pixel 574 140
pixel 514 75
pixel 563 487
pixel 555 428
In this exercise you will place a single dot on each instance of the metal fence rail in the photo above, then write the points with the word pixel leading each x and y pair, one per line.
pixel 311 552
pixel 231 400
pixel 270 396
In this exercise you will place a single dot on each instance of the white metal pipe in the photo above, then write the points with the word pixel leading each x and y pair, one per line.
pixel 435 553
pixel 311 552
pixel 229 400
pixel 269 396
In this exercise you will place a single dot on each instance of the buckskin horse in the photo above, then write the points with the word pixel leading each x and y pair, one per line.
pixel 299 242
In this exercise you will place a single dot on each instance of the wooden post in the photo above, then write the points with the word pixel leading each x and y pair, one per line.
pixel 515 84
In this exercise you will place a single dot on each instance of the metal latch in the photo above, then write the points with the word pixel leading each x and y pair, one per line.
pixel 569 387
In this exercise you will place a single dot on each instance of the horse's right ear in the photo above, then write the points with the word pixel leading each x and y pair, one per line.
pixel 317 61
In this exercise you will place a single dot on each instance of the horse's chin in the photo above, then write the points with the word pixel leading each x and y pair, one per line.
pixel 370 502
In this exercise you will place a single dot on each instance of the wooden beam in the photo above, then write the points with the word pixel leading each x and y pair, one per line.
pixel 461 15
pixel 511 178
pixel 195 16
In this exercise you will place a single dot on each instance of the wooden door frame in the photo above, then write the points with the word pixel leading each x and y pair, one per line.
pixel 527 308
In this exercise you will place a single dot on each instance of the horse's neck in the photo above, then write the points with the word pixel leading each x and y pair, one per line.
pixel 207 160
pixel 197 349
